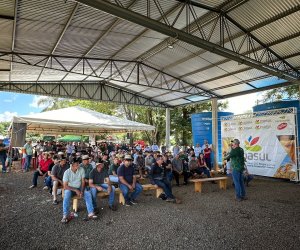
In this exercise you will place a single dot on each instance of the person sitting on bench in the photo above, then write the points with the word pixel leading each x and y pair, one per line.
pixel 98 177
pixel 42 170
pixel 127 181
pixel 158 177
pixel 74 184
pixel 57 176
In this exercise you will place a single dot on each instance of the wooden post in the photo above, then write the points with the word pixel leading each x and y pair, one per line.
pixel 198 187
pixel 159 191
pixel 75 205
pixel 121 199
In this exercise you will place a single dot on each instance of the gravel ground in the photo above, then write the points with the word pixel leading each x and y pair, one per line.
pixel 211 220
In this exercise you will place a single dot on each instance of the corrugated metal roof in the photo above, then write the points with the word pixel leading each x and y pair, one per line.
pixel 40 23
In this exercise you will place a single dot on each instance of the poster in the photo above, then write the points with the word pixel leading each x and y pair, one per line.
pixel 269 143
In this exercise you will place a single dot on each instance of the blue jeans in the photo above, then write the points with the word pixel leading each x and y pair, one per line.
pixel 203 170
pixel 94 192
pixel 27 162
pixel 166 186
pixel 67 198
pixel 125 190
pixel 169 176
pixel 239 185
pixel 3 159
pixel 48 182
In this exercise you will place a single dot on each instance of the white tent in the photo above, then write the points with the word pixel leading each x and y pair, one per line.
pixel 78 121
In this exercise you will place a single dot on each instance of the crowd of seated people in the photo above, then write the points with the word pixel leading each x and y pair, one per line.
pixel 104 167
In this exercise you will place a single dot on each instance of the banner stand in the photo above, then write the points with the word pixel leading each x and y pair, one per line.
pixel 269 139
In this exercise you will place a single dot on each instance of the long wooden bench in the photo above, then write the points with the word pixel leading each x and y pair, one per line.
pixel 222 181
pixel 102 194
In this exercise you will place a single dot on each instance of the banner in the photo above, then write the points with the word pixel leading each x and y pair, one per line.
pixel 269 143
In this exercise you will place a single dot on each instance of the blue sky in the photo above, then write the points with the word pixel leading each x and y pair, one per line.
pixel 15 104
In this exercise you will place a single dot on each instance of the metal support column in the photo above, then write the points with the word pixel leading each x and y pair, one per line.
pixel 168 123
pixel 214 109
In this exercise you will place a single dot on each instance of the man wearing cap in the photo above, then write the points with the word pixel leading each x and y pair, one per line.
pixel 237 160
pixel 139 161
pixel 3 151
pixel 105 162
pixel 57 174
pixel 127 181
pixel 74 184
pixel 98 177
pixel 86 166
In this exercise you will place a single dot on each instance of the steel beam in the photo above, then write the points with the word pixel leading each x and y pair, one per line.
pixel 185 37
pixel 13 36
pixel 90 90
pixel 140 77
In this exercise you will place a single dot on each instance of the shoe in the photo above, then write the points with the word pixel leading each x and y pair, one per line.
pixel 133 202
pixel 185 183
pixel 213 182
pixel 55 202
pixel 45 188
pixel 113 207
pixel 128 203
pixel 32 186
pixel 170 200
pixel 92 217
pixel 65 220
pixel 244 198
pixel 238 199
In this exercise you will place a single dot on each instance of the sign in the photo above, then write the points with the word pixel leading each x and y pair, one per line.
pixel 269 143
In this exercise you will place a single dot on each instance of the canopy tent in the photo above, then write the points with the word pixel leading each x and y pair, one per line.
pixel 78 121
pixel 71 138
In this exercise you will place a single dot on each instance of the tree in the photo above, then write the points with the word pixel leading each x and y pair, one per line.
pixel 289 92
pixel 3 128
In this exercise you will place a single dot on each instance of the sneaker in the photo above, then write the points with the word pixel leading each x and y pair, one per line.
pixel 45 188
pixel 32 186
pixel 170 200
pixel 128 203
pixel 113 207
pixel 55 202
pixel 238 199
pixel 133 202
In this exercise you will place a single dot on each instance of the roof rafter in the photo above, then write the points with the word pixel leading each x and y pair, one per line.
pixel 60 37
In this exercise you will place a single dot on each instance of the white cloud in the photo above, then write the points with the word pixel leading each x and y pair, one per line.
pixel 242 104
pixel 35 102
pixel 8 100
pixel 7 116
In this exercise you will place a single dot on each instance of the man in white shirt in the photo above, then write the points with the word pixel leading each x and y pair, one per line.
pixel 197 150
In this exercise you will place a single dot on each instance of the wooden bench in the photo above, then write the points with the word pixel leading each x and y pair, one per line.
pixel 102 194
pixel 198 183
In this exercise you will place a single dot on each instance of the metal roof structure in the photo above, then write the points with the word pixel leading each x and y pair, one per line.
pixel 159 53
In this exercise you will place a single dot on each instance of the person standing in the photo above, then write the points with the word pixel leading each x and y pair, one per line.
pixel 207 156
pixel 236 157
pixel 197 150
pixel 28 151
pixel 3 155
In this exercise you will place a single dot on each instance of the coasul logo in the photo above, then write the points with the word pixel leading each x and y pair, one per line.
pixel 251 144
pixel 282 126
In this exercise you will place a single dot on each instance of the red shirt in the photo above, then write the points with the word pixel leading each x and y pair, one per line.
pixel 44 165
pixel 201 162
pixel 207 152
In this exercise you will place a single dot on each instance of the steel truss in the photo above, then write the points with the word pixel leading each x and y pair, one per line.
pixel 260 114
pixel 89 90
pixel 197 34
pixel 131 72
